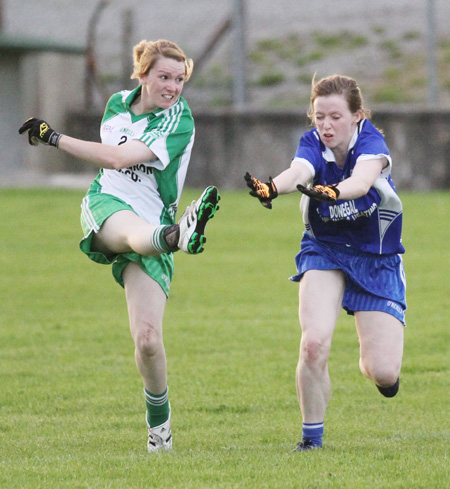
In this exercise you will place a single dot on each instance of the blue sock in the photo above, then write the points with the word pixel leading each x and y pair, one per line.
pixel 314 433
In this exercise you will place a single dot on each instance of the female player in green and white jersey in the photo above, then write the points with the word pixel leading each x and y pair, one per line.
pixel 128 213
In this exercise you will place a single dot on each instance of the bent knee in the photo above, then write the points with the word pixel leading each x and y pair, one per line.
pixel 383 375
pixel 386 379
pixel 148 340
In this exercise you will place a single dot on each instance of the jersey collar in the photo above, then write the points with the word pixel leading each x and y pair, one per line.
pixel 130 96
pixel 328 153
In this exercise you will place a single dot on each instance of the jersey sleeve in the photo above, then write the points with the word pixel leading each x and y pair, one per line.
pixel 309 151
pixel 371 146
pixel 111 108
pixel 386 171
pixel 169 134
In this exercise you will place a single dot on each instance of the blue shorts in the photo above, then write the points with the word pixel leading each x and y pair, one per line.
pixel 374 282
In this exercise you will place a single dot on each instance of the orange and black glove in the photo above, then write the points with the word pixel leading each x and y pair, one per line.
pixel 265 192
pixel 327 193
pixel 40 132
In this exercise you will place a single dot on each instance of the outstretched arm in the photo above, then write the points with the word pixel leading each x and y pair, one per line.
pixel 287 181
pixel 358 184
pixel 106 156
pixel 283 184
pixel 100 155
pixel 363 177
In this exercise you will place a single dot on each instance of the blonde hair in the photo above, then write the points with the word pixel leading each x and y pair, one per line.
pixel 147 53
pixel 341 85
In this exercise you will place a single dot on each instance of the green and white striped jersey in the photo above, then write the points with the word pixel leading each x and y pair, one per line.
pixel 152 188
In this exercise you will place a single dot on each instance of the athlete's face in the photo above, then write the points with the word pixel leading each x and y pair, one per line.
pixel 163 84
pixel 335 122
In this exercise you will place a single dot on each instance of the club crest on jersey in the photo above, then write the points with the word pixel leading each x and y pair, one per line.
pixel 127 131
pixel 107 128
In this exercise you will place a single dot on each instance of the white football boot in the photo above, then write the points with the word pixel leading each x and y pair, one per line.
pixel 193 221
pixel 159 437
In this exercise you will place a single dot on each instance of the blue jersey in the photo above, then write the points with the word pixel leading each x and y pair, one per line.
pixel 371 223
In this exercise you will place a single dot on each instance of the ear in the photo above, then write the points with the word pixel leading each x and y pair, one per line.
pixel 359 115
pixel 142 79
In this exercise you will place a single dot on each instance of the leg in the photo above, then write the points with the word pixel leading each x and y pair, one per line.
pixel 321 293
pixel 146 303
pixel 381 346
pixel 125 231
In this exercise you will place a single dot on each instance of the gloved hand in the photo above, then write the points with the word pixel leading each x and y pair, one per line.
pixel 40 132
pixel 265 192
pixel 328 193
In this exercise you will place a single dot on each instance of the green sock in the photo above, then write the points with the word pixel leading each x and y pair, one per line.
pixel 158 241
pixel 158 407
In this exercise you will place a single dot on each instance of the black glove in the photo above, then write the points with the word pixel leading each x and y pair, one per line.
pixel 40 132
pixel 265 192
pixel 329 193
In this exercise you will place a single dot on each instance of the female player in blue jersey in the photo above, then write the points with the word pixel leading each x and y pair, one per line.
pixel 128 214
pixel 351 250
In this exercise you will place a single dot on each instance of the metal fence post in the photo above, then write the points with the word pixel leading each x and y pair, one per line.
pixel 432 85
pixel 239 54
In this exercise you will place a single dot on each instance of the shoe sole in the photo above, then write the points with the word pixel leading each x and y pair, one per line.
pixel 208 207
pixel 303 448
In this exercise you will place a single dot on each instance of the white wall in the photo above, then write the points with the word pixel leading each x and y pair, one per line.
pixel 34 84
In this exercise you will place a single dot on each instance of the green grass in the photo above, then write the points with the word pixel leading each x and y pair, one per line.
pixel 71 402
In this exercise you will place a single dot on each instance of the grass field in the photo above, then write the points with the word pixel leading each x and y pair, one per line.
pixel 71 401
